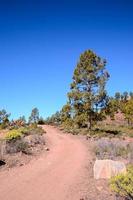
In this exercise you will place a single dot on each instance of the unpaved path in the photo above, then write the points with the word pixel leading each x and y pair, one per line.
pixel 59 174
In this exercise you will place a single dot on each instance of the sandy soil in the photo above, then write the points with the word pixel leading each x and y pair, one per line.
pixel 63 173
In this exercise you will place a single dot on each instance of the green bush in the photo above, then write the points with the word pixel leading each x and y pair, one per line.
pixel 122 184
pixel 13 135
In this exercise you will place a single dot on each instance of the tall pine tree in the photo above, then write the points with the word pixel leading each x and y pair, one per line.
pixel 88 95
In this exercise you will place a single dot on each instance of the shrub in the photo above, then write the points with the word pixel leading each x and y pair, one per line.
pixel 34 140
pixel 3 126
pixel 41 121
pixel 33 125
pixel 13 135
pixel 23 147
pixel 22 139
pixel 122 184
pixel 32 131
pixel 15 146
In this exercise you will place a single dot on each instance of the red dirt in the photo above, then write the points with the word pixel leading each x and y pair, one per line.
pixel 57 175
pixel 2 133
pixel 63 173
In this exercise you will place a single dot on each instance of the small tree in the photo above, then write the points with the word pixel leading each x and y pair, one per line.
pixel 117 96
pixel 4 118
pixel 125 96
pixel 88 95
pixel 34 117
pixel 57 118
pixel 113 106
pixel 128 111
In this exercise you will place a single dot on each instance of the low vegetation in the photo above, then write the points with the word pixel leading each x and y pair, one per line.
pixel 106 130
pixel 122 184
pixel 114 149
pixel 22 139
pixel 13 135
pixel 20 136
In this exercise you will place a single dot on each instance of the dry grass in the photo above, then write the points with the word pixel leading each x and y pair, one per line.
pixel 113 149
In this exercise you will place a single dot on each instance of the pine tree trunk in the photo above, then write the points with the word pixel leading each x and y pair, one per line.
pixel 90 123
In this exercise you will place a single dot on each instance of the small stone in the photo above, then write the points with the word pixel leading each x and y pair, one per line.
pixel 100 188
pixel 21 164
pixel 47 149
pixel 2 162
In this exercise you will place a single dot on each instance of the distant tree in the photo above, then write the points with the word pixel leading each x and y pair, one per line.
pixel 34 117
pixel 131 95
pixel 117 96
pixel 128 111
pixel 88 95
pixel 57 118
pixel 125 96
pixel 122 97
pixel 4 118
pixel 41 121
pixel 48 120
pixel 112 107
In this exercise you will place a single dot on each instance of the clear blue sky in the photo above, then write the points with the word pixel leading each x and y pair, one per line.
pixel 40 43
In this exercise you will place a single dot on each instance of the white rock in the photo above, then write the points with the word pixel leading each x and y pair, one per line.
pixel 105 169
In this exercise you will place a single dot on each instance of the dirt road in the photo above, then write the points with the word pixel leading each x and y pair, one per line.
pixel 59 174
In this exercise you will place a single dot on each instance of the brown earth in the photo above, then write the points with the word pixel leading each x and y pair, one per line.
pixel 2 133
pixel 63 173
